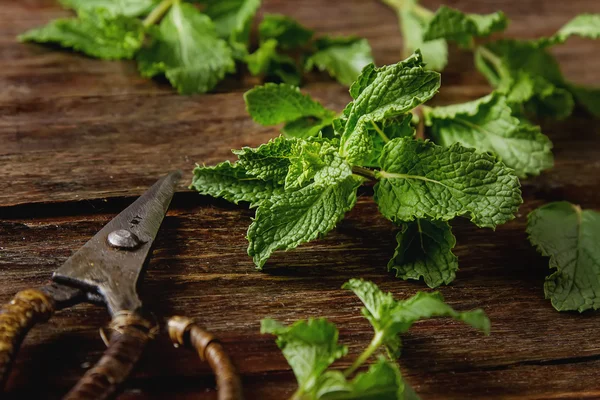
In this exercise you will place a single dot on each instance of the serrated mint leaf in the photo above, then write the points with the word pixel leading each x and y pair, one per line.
pixel 392 91
pixel 285 30
pixel 266 61
pixel 389 129
pixel 422 180
pixel 127 8
pixel 383 381
pixel 299 216
pixel 425 250
pixel 414 20
pixel 569 236
pixel 272 104
pixel 584 25
pixel 342 58
pixel 308 346
pixel 451 24
pixel 232 18
pixel 269 161
pixel 390 317
pixel 98 34
pixel 527 74
pixel 232 183
pixel 186 49
pixel 589 98
pixel 488 125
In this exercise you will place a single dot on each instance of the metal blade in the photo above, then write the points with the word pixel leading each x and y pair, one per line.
pixel 110 263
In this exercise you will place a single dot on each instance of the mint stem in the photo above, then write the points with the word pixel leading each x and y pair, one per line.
pixel 364 172
pixel 157 13
pixel 492 58
pixel 365 355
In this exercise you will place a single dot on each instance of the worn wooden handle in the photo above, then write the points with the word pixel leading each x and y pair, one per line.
pixel 25 310
pixel 183 331
pixel 131 333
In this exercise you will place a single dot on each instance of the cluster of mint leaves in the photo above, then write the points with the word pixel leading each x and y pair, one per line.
pixel 304 181
pixel 196 46
pixel 526 78
pixel 311 346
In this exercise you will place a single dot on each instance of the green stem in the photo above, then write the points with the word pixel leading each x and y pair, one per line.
pixel 380 132
pixel 158 12
pixel 364 172
pixel 297 394
pixel 492 58
pixel 365 355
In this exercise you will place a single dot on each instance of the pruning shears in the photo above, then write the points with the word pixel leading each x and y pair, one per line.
pixel 106 271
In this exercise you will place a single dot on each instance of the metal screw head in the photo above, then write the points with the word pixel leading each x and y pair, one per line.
pixel 123 239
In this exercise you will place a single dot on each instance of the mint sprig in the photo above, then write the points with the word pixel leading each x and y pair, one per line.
pixel 311 346
pixel 310 179
pixel 196 46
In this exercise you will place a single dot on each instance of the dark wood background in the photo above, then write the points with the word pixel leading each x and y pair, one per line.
pixel 81 138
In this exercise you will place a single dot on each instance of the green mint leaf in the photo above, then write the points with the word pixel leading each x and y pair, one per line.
pixel 425 250
pixel 391 318
pixel 389 129
pixel 569 236
pixel 488 125
pixel 422 180
pixel 272 104
pixel 127 8
pixel 269 161
pixel 451 24
pixel 584 25
pixel 285 30
pixel 299 216
pixel 268 62
pixel 232 183
pixel 414 20
pixel 589 98
pixel 392 91
pixel 383 381
pixel 308 346
pixel 186 49
pixel 232 18
pixel 98 34
pixel 342 58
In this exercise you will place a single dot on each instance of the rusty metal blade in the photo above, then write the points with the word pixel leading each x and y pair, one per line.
pixel 110 263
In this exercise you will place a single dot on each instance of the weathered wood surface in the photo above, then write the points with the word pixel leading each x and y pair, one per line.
pixel 79 138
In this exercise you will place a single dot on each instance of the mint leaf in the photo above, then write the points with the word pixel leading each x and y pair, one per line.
pixel 186 49
pixel 299 216
pixel 488 125
pixel 342 58
pixel 272 104
pixel 414 20
pixel 383 381
pixel 390 92
pixel 425 250
pixel 127 8
pixel 589 98
pixel 308 346
pixel 285 30
pixel 422 180
pixel 384 132
pixel 569 236
pixel 390 317
pixel 98 34
pixel 232 18
pixel 233 183
pixel 268 62
pixel 584 25
pixel 451 24
pixel 269 161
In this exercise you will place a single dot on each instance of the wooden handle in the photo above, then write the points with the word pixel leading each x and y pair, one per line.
pixel 104 380
pixel 183 331
pixel 16 319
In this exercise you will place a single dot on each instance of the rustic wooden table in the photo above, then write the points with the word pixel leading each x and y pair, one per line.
pixel 80 138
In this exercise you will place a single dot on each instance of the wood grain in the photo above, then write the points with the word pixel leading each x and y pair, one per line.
pixel 80 138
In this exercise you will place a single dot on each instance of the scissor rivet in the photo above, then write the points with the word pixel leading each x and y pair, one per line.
pixel 123 239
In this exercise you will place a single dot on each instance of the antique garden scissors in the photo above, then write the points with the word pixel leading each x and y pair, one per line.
pixel 106 271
